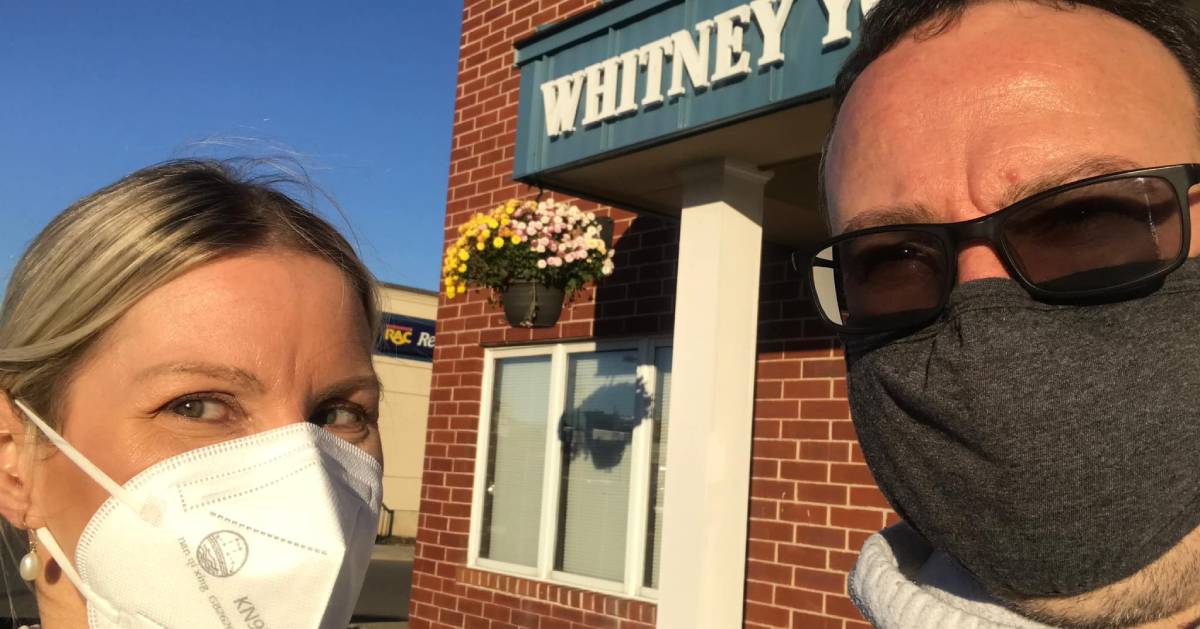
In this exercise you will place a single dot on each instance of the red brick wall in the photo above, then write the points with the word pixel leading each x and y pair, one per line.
pixel 813 501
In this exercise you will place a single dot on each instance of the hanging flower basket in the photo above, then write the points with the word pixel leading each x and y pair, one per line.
pixel 532 305
pixel 531 255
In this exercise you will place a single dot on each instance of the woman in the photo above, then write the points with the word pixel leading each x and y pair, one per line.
pixel 188 408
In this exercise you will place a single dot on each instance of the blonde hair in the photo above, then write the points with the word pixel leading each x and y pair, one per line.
pixel 104 253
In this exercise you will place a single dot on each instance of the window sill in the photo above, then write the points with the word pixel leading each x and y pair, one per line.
pixel 549 589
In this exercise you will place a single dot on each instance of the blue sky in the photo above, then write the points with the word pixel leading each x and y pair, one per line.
pixel 362 92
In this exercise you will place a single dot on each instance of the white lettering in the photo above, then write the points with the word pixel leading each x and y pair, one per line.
pixel 732 59
pixel 425 340
pixel 770 23
pixel 692 57
pixel 652 55
pixel 838 11
pixel 609 89
pixel 839 14
pixel 560 99
pixel 601 102
pixel 629 82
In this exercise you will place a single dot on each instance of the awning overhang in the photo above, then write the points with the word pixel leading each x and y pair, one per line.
pixel 750 82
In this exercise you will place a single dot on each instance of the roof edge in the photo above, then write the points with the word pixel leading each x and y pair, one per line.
pixel 553 28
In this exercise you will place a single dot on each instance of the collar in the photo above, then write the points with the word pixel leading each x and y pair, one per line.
pixel 900 582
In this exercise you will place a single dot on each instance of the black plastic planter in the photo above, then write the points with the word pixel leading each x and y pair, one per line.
pixel 530 305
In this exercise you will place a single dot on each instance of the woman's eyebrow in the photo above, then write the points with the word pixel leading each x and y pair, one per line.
pixel 233 375
pixel 344 388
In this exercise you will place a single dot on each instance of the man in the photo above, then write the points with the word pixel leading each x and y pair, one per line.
pixel 1024 365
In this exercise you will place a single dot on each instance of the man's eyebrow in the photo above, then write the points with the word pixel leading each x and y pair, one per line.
pixel 895 215
pixel 1089 167
pixel 233 375
pixel 1083 169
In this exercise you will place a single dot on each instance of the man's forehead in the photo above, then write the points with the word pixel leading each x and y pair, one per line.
pixel 1005 87
pixel 993 37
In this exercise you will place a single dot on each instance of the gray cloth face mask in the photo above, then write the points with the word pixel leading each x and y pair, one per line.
pixel 1049 448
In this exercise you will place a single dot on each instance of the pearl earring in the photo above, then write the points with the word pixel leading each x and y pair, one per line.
pixel 30 566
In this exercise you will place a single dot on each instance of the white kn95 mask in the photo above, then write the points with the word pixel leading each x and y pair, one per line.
pixel 270 531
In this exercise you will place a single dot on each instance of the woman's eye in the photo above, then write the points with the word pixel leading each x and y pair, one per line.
pixel 339 416
pixel 200 409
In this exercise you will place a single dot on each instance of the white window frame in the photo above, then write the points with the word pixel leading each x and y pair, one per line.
pixel 639 472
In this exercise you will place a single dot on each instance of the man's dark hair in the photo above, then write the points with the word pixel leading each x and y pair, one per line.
pixel 1172 22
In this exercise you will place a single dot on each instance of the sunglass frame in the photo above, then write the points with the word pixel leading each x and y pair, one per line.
pixel 988 229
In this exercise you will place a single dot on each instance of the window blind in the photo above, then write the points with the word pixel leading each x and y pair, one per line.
pixel 601 411
pixel 516 459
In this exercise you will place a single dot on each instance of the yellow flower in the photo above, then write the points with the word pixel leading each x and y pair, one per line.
pixel 498 242
pixel 450 292
pixel 462 288
pixel 480 246
pixel 516 240
pixel 462 240
pixel 462 268
pixel 464 256
pixel 485 234
pixel 449 281
pixel 493 223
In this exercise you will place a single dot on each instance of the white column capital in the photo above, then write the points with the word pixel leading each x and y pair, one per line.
pixel 722 170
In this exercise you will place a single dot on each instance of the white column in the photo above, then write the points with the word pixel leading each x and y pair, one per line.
pixel 702 574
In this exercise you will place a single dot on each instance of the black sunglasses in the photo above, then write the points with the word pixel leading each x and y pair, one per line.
pixel 1095 239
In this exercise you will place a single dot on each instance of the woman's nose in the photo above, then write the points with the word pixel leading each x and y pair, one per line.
pixel 979 261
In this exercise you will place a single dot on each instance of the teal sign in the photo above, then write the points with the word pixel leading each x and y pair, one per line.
pixel 639 72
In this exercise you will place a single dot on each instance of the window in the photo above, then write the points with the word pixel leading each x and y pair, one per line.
pixel 572 462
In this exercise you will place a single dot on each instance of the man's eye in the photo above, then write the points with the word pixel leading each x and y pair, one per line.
pixel 339 416
pixel 201 409
pixel 890 263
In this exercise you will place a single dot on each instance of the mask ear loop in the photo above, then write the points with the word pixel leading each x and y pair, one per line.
pixel 89 468
pixel 51 545
pixel 108 484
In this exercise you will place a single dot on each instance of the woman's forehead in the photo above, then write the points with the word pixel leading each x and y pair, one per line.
pixel 269 311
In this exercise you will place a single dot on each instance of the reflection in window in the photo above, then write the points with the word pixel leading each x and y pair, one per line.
pixel 601 413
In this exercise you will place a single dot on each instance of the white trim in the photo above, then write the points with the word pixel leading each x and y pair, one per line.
pixel 638 511
pixel 639 475
pixel 481 445
pixel 508 570
pixel 551 472
pixel 590 583
pixel 492 565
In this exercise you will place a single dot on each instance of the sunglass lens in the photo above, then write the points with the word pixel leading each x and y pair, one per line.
pixel 884 280
pixel 1105 235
